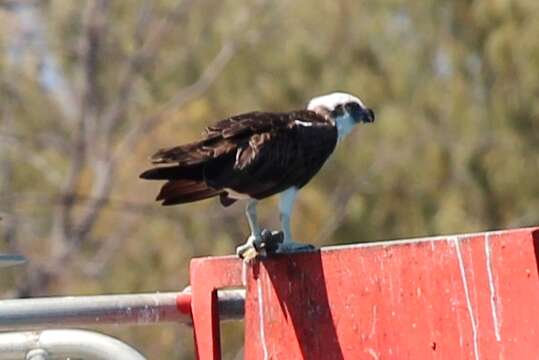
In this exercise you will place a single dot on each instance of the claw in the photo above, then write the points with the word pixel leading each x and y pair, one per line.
pixel 271 240
pixel 267 243
pixel 248 250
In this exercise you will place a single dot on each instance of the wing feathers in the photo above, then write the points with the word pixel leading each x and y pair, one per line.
pixel 186 154
pixel 257 154
pixel 194 153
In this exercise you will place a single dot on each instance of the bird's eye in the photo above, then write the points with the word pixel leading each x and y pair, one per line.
pixel 352 108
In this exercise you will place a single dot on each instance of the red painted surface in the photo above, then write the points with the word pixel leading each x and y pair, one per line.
pixel 183 303
pixel 465 297
pixel 461 297
pixel 207 275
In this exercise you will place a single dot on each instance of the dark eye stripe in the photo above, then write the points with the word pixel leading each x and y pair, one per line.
pixel 338 111
pixel 353 109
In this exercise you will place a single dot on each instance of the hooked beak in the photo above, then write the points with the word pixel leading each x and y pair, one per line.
pixel 367 116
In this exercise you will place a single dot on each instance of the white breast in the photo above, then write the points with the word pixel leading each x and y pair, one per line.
pixel 344 124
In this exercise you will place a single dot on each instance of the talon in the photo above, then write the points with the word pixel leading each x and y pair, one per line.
pixel 250 249
pixel 246 253
pixel 272 240
pixel 267 243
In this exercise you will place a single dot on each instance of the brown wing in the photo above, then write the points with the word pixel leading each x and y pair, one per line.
pixel 272 159
pixel 219 138
pixel 257 153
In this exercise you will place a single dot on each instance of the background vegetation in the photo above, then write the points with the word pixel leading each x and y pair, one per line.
pixel 88 89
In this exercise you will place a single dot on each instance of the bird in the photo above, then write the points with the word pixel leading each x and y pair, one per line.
pixel 255 155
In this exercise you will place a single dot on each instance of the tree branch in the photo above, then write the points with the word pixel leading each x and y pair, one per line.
pixel 184 96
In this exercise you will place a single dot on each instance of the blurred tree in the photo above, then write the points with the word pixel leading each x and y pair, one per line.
pixel 89 89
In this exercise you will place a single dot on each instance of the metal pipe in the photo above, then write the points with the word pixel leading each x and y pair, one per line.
pixel 231 304
pixel 11 259
pixel 52 344
pixel 54 312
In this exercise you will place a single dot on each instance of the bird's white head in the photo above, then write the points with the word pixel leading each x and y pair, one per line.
pixel 344 109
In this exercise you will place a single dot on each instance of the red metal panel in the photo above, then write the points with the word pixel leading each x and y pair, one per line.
pixel 207 275
pixel 460 297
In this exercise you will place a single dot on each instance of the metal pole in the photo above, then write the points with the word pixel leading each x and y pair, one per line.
pixel 11 259
pixel 54 312
pixel 52 344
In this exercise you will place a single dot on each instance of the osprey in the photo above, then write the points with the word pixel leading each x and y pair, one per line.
pixel 255 155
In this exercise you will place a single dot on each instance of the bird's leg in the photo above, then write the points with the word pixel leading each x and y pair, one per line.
pixel 286 204
pixel 251 247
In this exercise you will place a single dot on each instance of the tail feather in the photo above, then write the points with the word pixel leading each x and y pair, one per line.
pixel 191 197
pixel 184 191
pixel 171 188
pixel 194 172
pixel 186 180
